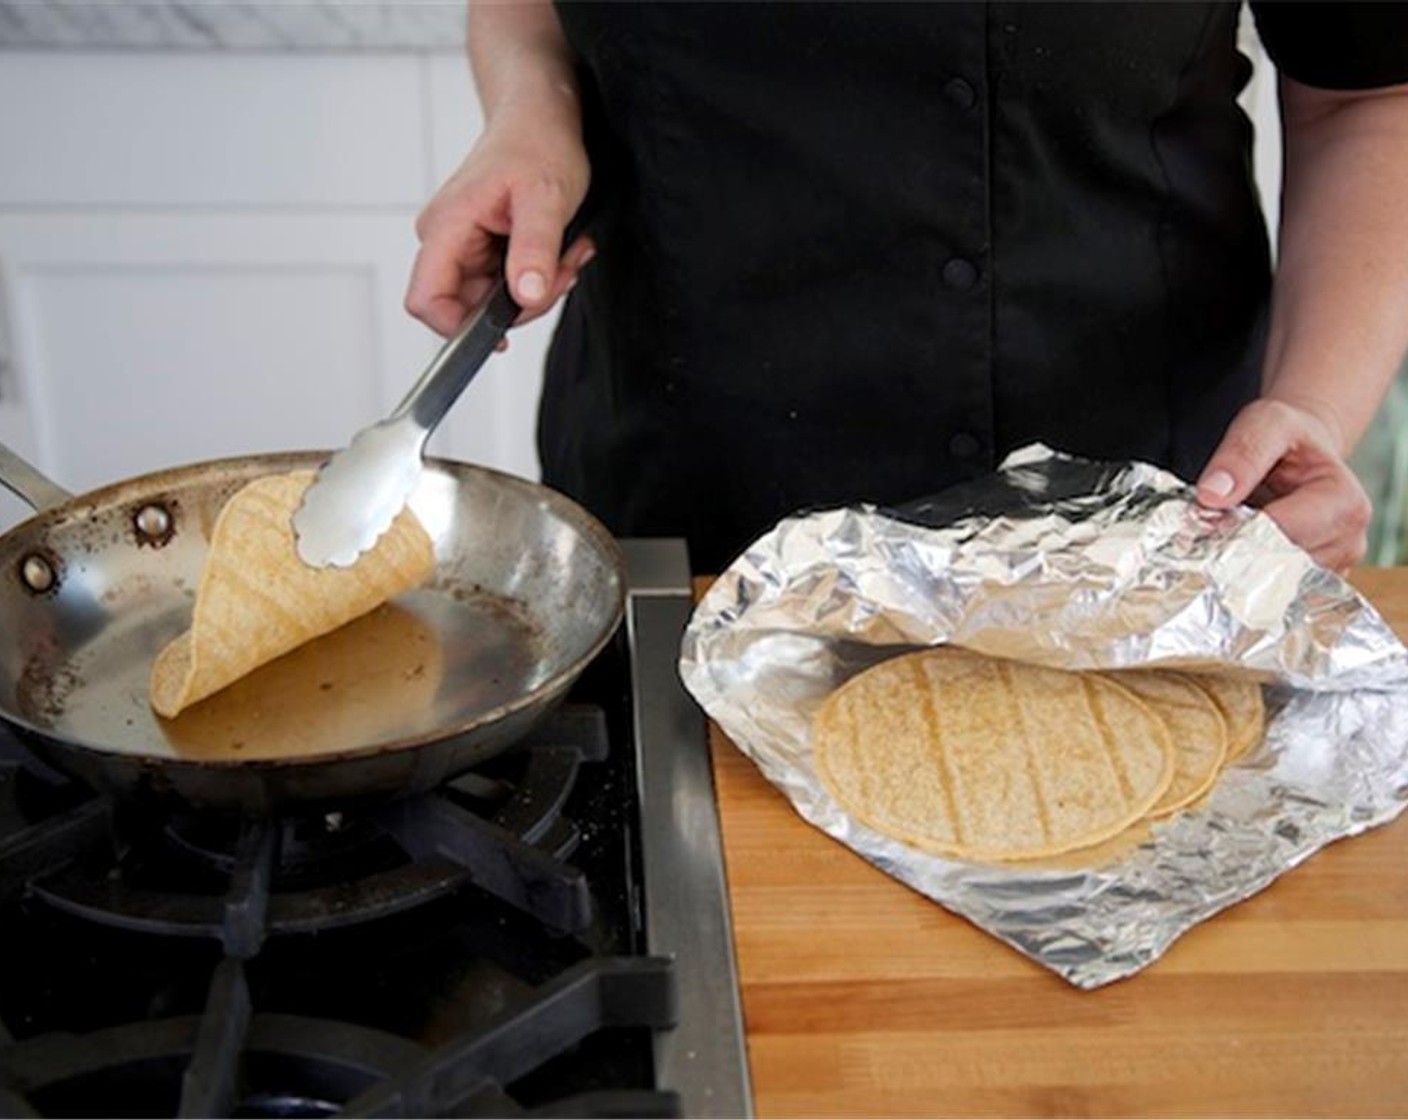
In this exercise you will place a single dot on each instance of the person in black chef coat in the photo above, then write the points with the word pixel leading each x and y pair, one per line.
pixel 858 252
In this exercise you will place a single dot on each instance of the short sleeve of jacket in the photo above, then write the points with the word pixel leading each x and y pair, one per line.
pixel 1336 45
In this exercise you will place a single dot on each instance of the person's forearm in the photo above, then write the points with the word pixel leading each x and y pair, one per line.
pixel 521 62
pixel 1339 324
pixel 501 215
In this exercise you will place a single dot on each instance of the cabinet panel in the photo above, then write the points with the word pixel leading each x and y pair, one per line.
pixel 202 130
pixel 140 341
pixel 143 340
pixel 455 118
pixel 142 366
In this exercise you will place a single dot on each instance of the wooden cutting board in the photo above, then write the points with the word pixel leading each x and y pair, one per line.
pixel 862 998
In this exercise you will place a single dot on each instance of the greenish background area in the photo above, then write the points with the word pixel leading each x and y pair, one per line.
pixel 1381 462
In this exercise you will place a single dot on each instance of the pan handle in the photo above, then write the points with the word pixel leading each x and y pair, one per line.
pixel 28 484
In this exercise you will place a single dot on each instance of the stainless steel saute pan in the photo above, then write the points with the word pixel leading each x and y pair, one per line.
pixel 527 589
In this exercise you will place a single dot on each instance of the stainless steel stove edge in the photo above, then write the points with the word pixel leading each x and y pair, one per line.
pixel 687 917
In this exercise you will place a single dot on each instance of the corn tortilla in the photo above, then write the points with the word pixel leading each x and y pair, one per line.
pixel 981 758
pixel 1242 707
pixel 1198 729
pixel 257 600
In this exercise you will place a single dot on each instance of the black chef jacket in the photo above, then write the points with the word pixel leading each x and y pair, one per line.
pixel 858 252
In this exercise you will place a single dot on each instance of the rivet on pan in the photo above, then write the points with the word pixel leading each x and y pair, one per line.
pixel 153 522
pixel 37 573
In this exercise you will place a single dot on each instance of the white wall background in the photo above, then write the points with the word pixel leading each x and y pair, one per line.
pixel 1259 102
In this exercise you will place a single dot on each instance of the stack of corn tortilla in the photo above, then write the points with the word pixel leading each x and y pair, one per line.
pixel 982 758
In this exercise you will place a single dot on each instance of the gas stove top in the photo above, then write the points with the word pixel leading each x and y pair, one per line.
pixel 545 935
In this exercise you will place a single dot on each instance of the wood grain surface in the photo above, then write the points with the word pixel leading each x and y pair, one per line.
pixel 862 998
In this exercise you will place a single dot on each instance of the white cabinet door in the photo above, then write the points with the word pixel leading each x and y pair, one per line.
pixel 216 130
pixel 139 341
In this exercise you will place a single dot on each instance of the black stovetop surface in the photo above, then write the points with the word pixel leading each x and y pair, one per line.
pixel 145 970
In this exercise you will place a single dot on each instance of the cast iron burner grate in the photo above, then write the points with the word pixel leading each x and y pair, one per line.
pixel 201 875
pixel 233 1061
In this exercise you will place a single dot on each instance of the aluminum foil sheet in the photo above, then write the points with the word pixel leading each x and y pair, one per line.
pixel 1076 565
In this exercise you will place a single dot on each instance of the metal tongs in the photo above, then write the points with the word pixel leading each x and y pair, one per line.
pixel 360 490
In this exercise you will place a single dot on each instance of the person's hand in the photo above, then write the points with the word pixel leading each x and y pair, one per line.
pixel 522 182
pixel 1287 460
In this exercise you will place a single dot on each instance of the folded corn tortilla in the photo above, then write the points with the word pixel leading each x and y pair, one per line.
pixel 257 600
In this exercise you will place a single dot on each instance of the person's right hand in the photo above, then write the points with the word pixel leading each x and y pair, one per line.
pixel 521 182
pixel 1287 457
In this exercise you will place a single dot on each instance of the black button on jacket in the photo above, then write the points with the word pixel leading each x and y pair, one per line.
pixel 858 252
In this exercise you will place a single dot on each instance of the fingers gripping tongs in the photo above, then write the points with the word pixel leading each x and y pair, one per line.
pixel 359 491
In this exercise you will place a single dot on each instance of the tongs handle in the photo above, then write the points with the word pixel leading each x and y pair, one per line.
pixel 463 356
pixel 458 360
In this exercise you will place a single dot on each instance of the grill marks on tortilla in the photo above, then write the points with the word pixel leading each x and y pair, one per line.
pixel 1031 765
pixel 263 594
pixel 1097 714
pixel 1199 733
pixel 283 599
pixel 1242 708
pixel 966 755
pixel 257 600
pixel 935 735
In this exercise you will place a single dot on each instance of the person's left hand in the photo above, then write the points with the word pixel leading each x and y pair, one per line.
pixel 1287 460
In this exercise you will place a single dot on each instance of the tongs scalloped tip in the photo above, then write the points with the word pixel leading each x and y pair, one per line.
pixel 358 493
pixel 361 489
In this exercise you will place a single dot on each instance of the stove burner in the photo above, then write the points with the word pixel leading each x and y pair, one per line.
pixel 237 1062
pixel 500 828
pixel 306 844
